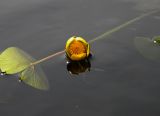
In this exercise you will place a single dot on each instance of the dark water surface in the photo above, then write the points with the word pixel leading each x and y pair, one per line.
pixel 121 82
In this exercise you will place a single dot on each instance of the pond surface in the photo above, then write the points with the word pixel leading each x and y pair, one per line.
pixel 121 81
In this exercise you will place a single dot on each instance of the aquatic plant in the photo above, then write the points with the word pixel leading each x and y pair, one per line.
pixel 13 60
pixel 77 48
pixel 149 48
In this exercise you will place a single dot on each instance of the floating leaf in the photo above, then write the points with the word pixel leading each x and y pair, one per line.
pixel 148 48
pixel 156 40
pixel 34 77
pixel 14 60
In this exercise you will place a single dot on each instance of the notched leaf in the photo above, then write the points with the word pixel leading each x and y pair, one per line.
pixel 35 77
pixel 148 48
pixel 14 60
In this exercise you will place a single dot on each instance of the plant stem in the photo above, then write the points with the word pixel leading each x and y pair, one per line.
pixel 47 58
pixel 104 35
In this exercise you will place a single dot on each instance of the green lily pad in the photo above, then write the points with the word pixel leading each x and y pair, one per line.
pixel 35 77
pixel 14 60
pixel 148 48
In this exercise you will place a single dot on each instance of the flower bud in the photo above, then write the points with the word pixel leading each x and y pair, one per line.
pixel 77 48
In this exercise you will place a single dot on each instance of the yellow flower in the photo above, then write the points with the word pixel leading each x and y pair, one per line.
pixel 77 48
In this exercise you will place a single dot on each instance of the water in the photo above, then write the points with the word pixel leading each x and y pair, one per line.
pixel 121 81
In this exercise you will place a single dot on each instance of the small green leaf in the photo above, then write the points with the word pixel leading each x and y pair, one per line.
pixel 14 60
pixel 35 77
pixel 147 48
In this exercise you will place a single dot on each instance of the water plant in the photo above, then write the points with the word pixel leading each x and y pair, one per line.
pixel 13 60
pixel 149 48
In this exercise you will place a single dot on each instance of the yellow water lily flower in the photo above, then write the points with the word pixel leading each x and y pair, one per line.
pixel 77 48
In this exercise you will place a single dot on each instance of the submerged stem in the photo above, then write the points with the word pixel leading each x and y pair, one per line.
pixel 47 58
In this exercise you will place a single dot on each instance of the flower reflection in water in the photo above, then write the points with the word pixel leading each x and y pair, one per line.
pixel 77 67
